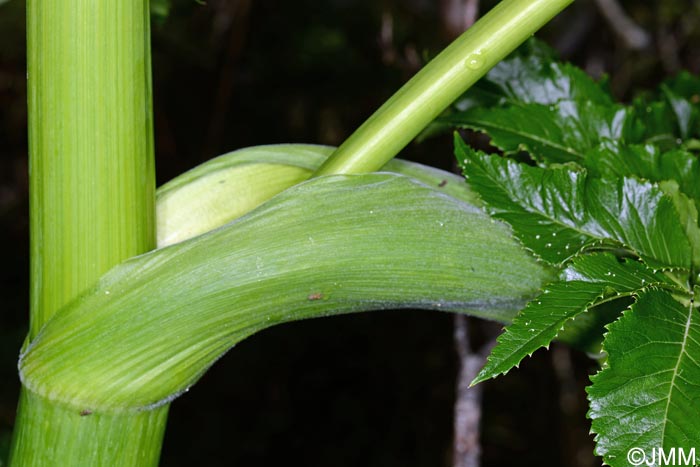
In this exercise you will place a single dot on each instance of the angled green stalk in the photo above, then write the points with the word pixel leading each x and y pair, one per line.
pixel 437 85
pixel 91 201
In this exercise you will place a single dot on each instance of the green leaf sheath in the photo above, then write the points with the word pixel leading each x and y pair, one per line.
pixel 331 245
pixel 585 283
pixel 648 393
pixel 556 212
pixel 226 187
pixel 438 84
pixel 229 186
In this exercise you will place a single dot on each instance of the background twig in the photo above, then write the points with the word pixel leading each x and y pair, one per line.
pixel 467 421
pixel 458 15
pixel 631 33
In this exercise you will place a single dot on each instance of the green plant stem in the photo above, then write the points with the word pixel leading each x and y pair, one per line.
pixel 91 201
pixel 92 184
pixel 437 85
pixel 51 434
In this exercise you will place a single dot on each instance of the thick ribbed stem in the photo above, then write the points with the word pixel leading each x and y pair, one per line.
pixel 50 434
pixel 91 202
pixel 90 139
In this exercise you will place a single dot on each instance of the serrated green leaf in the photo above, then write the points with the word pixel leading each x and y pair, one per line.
pixel 559 133
pixel 613 159
pixel 531 75
pixel 685 85
pixel 656 122
pixel 585 283
pixel 536 79
pixel 677 171
pixel 556 212
pixel 683 96
pixel 648 394
pixel 671 117
pixel 683 110
pixel 688 214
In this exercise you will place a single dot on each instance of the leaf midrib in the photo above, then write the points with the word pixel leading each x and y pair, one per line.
pixel 681 354
pixel 523 134
pixel 530 210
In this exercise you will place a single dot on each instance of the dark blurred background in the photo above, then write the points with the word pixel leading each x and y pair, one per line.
pixel 374 389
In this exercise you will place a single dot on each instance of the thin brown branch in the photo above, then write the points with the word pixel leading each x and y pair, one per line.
pixel 458 15
pixel 633 35
pixel 467 415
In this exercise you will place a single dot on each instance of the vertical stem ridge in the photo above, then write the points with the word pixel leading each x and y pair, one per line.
pixel 92 203
pixel 91 148
pixel 49 434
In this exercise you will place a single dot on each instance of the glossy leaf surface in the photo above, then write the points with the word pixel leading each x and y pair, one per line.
pixel 611 177
pixel 556 212
pixel 531 75
pixel 585 283
pixel 648 394
pixel 561 132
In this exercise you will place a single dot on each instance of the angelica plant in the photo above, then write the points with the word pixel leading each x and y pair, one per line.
pixel 120 328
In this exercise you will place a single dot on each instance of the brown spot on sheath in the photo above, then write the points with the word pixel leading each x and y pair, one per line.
pixel 85 412
pixel 315 296
pixel 442 183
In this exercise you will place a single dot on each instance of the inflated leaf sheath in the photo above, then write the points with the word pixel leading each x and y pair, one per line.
pixel 331 245
pixel 226 187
